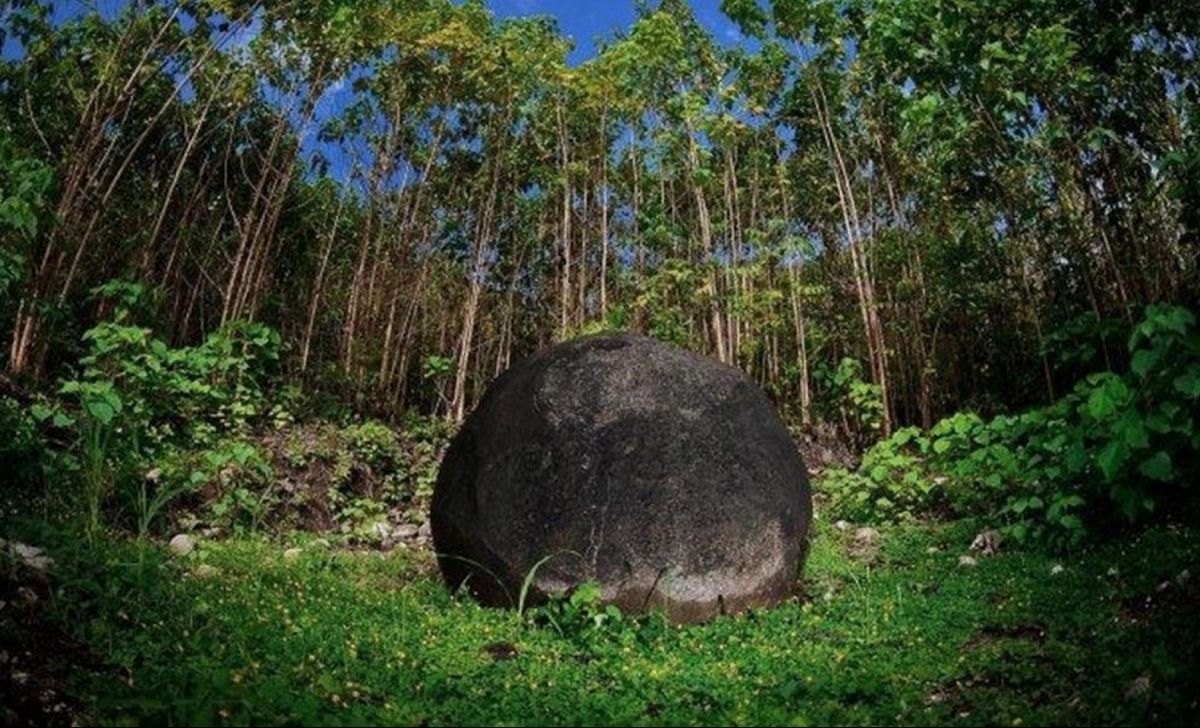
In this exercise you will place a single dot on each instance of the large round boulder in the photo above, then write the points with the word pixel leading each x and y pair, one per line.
pixel 663 476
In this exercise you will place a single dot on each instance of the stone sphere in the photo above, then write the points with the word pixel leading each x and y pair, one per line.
pixel 663 476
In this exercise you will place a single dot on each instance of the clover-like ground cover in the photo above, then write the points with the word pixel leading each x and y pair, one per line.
pixel 237 632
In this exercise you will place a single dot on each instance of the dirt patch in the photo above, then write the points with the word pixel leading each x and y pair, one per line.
pixel 501 651
pixel 822 447
pixel 1035 633
pixel 37 659
pixel 1169 595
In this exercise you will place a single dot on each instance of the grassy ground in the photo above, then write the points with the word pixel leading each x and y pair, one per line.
pixel 236 632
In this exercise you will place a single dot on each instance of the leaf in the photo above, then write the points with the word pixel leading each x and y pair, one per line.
pixel 586 594
pixel 1158 467
pixel 1143 361
pixel 1104 400
pixel 1188 383
pixel 1133 430
pixel 1111 458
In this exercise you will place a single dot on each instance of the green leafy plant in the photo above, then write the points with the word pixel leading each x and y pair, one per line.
pixel 1115 446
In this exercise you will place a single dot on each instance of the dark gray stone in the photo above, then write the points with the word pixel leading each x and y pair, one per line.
pixel 664 476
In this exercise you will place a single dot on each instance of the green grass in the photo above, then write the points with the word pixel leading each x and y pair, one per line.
pixel 904 636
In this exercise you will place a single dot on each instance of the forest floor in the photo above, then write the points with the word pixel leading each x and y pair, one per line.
pixel 890 628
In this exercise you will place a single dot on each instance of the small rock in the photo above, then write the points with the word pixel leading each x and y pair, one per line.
pixel 841 525
pixel 204 571
pixel 1056 569
pixel 1139 687
pixel 182 544
pixel 31 556
pixel 405 531
pixel 965 560
pixel 866 535
pixel 291 554
pixel 987 543
pixel 154 475
pixel 865 544
pixel 426 530
pixel 381 530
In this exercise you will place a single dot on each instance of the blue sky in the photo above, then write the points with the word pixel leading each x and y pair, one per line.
pixel 582 20
pixel 585 20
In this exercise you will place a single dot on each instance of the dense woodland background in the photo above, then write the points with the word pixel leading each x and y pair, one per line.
pixel 959 205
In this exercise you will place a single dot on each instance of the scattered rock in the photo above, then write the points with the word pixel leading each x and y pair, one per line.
pixel 291 554
pixel 204 571
pixel 842 525
pixel 381 530
pixel 866 535
pixel 668 472
pixel 987 543
pixel 864 544
pixel 425 531
pixel 29 596
pixel 965 560
pixel 405 531
pixel 32 556
pixel 181 544
pixel 1139 687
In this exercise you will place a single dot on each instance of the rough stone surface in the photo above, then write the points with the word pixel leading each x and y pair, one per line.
pixel 406 531
pixel 182 544
pixel 664 476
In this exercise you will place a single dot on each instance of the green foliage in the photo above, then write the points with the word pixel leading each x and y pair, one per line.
pixel 239 477
pixel 1115 446
pixel 363 638
pixel 852 400
pixel 149 423
pixel 25 186
pixel 23 448
pixel 666 300
pixel 179 393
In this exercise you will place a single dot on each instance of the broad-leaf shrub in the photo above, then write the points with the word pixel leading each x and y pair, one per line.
pixel 1115 447
pixel 139 405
